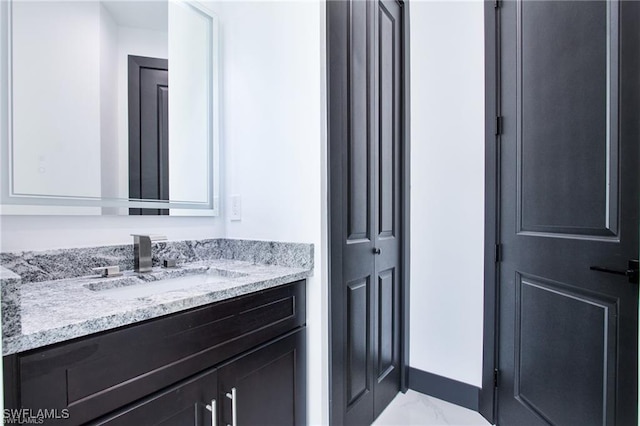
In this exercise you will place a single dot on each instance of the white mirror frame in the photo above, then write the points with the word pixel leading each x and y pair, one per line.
pixel 10 202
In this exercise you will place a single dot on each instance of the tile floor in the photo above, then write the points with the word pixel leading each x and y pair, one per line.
pixel 414 408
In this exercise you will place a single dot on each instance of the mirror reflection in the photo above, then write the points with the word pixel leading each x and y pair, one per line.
pixel 113 106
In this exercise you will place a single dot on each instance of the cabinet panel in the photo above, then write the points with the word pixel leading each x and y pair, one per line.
pixel 182 405
pixel 269 382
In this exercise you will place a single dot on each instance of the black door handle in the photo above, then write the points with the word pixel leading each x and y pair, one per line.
pixel 631 273
pixel 376 250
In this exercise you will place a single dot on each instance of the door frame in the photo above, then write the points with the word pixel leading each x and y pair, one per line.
pixel 337 126
pixel 487 401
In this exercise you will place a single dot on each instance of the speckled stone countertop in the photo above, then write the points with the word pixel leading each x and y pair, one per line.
pixel 7 275
pixel 39 312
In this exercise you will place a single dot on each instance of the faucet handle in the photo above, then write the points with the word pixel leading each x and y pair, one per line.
pixel 108 271
pixel 151 237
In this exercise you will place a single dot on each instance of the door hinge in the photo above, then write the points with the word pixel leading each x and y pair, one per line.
pixel 496 4
pixel 495 377
pixel 498 253
pixel 498 125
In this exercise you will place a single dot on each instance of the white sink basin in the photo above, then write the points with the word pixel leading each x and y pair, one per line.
pixel 135 289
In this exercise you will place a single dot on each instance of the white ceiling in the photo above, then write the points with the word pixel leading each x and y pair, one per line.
pixel 148 15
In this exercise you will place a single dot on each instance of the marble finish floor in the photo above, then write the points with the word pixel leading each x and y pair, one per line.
pixel 414 408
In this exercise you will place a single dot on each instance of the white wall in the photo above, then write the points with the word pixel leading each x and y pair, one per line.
pixel 50 232
pixel 447 188
pixel 274 138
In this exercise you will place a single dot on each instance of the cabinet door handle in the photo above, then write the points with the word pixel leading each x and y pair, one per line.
pixel 234 409
pixel 212 408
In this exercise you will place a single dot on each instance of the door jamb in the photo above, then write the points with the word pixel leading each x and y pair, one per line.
pixel 405 192
pixel 488 401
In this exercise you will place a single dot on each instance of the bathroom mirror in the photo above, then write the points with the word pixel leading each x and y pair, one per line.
pixel 109 107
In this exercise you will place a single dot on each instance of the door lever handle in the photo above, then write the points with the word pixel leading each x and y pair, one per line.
pixel 631 272
pixel 376 250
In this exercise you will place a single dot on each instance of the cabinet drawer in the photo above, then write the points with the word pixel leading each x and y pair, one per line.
pixel 96 375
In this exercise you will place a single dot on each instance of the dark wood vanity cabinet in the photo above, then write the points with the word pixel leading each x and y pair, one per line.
pixel 266 385
pixel 167 371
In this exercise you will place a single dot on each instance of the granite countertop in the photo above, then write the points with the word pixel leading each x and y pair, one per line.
pixel 7 275
pixel 54 311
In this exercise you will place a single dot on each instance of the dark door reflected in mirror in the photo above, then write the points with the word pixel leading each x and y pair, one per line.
pixel 148 131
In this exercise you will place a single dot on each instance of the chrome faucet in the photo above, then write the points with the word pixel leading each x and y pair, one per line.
pixel 142 251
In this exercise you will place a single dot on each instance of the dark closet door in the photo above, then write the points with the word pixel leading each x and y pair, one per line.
pixel 366 209
pixel 148 132
pixel 386 170
pixel 568 334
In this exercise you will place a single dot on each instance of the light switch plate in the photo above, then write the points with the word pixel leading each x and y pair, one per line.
pixel 235 208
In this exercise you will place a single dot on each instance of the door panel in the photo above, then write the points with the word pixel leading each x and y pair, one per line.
pixel 153 183
pixel 386 357
pixel 365 189
pixel 357 340
pixel 557 322
pixel 568 335
pixel 358 268
pixel 566 77
pixel 387 318
pixel 359 153
pixel 387 60
pixel 388 88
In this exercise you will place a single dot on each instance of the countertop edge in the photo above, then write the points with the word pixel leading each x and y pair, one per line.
pixel 25 342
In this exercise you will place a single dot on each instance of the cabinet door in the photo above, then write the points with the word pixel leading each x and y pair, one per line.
pixel 190 402
pixel 268 384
